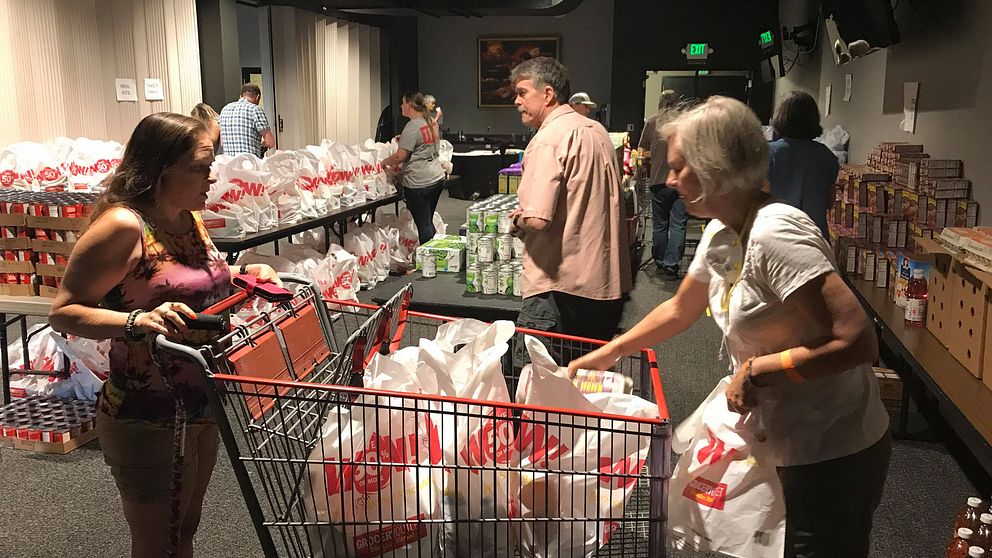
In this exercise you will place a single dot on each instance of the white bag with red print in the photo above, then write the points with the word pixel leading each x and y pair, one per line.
pixel 365 249
pixel 90 162
pixel 31 166
pixel 466 357
pixel 407 238
pixel 244 171
pixel 283 168
pixel 42 353
pixel 223 217
pixel 349 486
pixel 337 275
pixel 722 497
pixel 550 442
pixel 311 184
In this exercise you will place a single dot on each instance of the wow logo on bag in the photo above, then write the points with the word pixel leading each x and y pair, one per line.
pixel 491 443
pixel 364 475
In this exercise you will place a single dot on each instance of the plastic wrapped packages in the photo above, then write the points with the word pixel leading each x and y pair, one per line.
pixel 365 250
pixel 88 359
pixel 283 168
pixel 90 162
pixel 31 166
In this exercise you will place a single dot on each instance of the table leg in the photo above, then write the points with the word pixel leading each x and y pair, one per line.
pixel 232 257
pixel 3 360
pixel 327 238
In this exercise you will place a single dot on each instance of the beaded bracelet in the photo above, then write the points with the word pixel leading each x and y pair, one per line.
pixel 129 326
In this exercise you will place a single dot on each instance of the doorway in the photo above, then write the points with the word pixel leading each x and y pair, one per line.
pixel 695 86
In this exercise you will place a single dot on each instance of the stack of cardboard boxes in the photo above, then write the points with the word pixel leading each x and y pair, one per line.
pixel 37 233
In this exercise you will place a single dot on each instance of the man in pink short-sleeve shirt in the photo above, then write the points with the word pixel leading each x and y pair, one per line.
pixel 571 216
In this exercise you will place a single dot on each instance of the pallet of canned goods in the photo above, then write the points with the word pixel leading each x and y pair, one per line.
pixel 441 254
pixel 47 424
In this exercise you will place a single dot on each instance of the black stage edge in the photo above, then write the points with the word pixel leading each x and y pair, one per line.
pixel 445 295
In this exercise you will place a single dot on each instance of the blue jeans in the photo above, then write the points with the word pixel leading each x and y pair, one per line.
pixel 422 202
pixel 668 219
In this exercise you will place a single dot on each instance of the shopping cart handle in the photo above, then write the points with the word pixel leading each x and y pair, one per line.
pixel 162 342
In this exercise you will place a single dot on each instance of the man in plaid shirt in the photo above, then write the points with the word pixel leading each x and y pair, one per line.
pixel 243 125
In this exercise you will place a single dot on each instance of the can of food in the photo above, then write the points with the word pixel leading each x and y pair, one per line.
pixel 504 224
pixel 490 279
pixel 471 259
pixel 474 218
pixel 473 282
pixel 429 266
pixel 472 242
pixel 486 248
pixel 504 247
pixel 518 247
pixel 504 280
pixel 492 220
pixel 518 272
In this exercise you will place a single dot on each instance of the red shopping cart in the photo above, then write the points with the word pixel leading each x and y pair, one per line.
pixel 330 468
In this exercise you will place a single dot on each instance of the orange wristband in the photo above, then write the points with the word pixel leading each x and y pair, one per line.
pixel 785 359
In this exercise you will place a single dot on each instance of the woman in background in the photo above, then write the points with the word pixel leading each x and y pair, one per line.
pixel 435 111
pixel 801 171
pixel 206 114
pixel 417 160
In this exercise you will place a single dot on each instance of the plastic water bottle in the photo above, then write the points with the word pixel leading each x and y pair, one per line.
pixel 916 300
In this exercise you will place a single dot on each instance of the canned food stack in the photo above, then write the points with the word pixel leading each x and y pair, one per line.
pixel 37 233
pixel 47 423
pixel 493 256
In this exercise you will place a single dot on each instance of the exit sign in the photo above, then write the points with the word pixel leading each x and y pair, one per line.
pixel 766 39
pixel 697 51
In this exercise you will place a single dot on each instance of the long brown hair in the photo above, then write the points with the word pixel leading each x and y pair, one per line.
pixel 416 100
pixel 158 142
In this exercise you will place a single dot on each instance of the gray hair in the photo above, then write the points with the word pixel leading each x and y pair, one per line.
pixel 667 99
pixel 544 72
pixel 722 142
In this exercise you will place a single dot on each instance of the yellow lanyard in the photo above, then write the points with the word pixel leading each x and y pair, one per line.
pixel 729 291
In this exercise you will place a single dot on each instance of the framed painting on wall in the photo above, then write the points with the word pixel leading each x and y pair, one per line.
pixel 497 58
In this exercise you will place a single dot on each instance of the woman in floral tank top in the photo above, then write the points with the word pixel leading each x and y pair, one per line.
pixel 146 259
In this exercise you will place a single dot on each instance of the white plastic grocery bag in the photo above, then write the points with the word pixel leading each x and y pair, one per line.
pixel 90 162
pixel 348 485
pixel 336 275
pixel 244 172
pixel 83 381
pixel 223 217
pixel 597 449
pixel 283 168
pixel 723 497
pixel 363 248
pixel 466 356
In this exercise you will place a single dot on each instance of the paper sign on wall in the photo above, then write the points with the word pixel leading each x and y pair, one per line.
pixel 848 82
pixel 127 89
pixel 911 93
pixel 153 90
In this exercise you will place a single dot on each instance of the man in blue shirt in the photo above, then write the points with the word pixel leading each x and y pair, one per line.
pixel 243 125
pixel 802 172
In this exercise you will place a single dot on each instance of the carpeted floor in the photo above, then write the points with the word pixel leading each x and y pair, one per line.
pixel 67 506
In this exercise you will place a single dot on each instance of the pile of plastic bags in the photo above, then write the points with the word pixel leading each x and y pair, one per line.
pixel 88 365
pixel 285 187
pixel 444 446
pixel 59 165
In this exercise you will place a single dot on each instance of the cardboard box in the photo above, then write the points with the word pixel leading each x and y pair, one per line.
pixel 16 267
pixel 57 223
pixel 19 243
pixel 49 270
pixel 12 219
pixel 52 246
pixel 939 297
pixel 448 253
pixel 889 384
pixel 46 291
pixel 969 306
pixel 17 290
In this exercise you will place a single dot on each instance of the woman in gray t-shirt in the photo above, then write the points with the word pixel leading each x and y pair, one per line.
pixel 421 175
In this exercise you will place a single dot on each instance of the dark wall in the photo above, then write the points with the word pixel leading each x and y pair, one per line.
pixel 400 45
pixel 649 35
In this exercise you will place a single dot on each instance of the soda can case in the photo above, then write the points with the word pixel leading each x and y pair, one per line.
pixel 46 423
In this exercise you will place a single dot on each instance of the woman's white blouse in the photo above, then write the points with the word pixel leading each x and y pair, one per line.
pixel 805 422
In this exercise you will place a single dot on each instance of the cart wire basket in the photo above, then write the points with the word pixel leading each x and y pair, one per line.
pixel 330 468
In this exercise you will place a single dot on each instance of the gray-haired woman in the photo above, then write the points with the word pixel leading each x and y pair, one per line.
pixel 800 345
